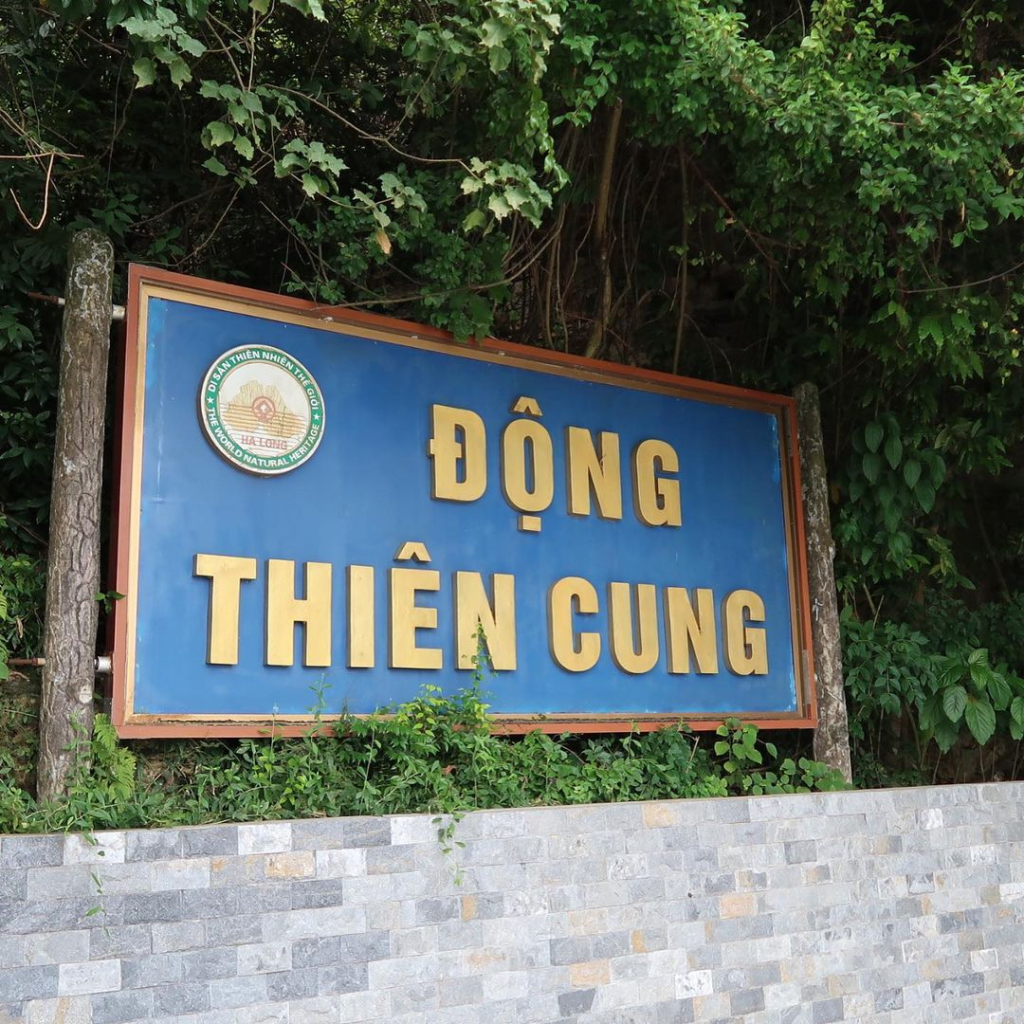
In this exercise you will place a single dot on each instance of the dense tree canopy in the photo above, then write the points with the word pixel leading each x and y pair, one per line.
pixel 757 193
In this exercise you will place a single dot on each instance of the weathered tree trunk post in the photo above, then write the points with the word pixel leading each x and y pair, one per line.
pixel 73 573
pixel 832 737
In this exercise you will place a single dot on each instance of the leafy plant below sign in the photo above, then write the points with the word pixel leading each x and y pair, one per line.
pixel 435 754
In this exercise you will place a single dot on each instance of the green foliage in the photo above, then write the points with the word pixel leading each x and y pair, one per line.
pixel 900 682
pixel 887 667
pixel 831 195
pixel 435 754
pixel 22 581
pixel 747 772
pixel 969 692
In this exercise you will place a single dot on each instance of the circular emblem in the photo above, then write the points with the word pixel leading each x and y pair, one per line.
pixel 261 409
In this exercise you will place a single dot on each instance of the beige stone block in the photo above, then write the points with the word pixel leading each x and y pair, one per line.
pixel 300 864
pixel 738 905
pixel 660 816
pixel 593 972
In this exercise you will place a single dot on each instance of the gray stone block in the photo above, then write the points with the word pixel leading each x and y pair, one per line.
pixel 748 1000
pixel 31 851
pixel 957 987
pixel 420 998
pixel 431 911
pixel 577 1001
pixel 209 964
pixel 319 892
pixel 209 841
pixel 156 908
pixel 319 834
pixel 181 999
pixel 179 935
pixel 234 931
pixel 44 948
pixel 392 859
pixel 202 904
pixel 889 1000
pixel 827 1011
pixel 150 971
pixel 152 844
pixel 359 832
pixel 344 977
pixel 238 992
pixel 293 984
pixel 264 958
pixel 21 983
pixel 115 1007
pixel 13 883
pixel 460 992
pixel 673 1011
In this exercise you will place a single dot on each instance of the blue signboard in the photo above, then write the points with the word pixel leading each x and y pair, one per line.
pixel 365 506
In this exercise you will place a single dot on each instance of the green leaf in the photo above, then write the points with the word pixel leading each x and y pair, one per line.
pixel 243 147
pixel 946 734
pixel 954 700
pixel 311 185
pixel 936 467
pixel 515 197
pixel 220 133
pixel 1017 710
pixel 180 72
pixel 144 71
pixel 981 720
pixel 925 494
pixel 872 466
pixel 893 451
pixel 873 434
pixel 499 207
pixel 500 59
pixel 474 219
pixel 493 33
pixel 214 165
pixel 999 690
pixel 930 327
pixel 911 472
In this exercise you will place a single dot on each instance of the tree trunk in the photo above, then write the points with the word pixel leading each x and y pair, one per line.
pixel 832 737
pixel 73 573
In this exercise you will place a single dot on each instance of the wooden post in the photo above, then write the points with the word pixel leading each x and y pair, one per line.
pixel 832 737
pixel 73 572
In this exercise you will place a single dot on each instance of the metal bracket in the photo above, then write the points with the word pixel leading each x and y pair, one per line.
pixel 116 312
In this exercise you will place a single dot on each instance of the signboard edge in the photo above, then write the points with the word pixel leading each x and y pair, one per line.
pixel 125 515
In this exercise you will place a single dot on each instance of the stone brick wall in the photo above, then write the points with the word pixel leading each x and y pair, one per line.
pixel 897 906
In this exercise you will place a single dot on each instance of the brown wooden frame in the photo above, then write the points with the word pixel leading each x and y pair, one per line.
pixel 128 448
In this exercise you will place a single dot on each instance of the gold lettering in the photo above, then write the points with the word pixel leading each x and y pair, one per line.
pixel 656 499
pixel 472 606
pixel 360 617
pixel 284 610
pixel 687 631
pixel 407 617
pixel 458 441
pixel 528 481
pixel 634 647
pixel 589 471
pixel 746 649
pixel 225 574
pixel 576 652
